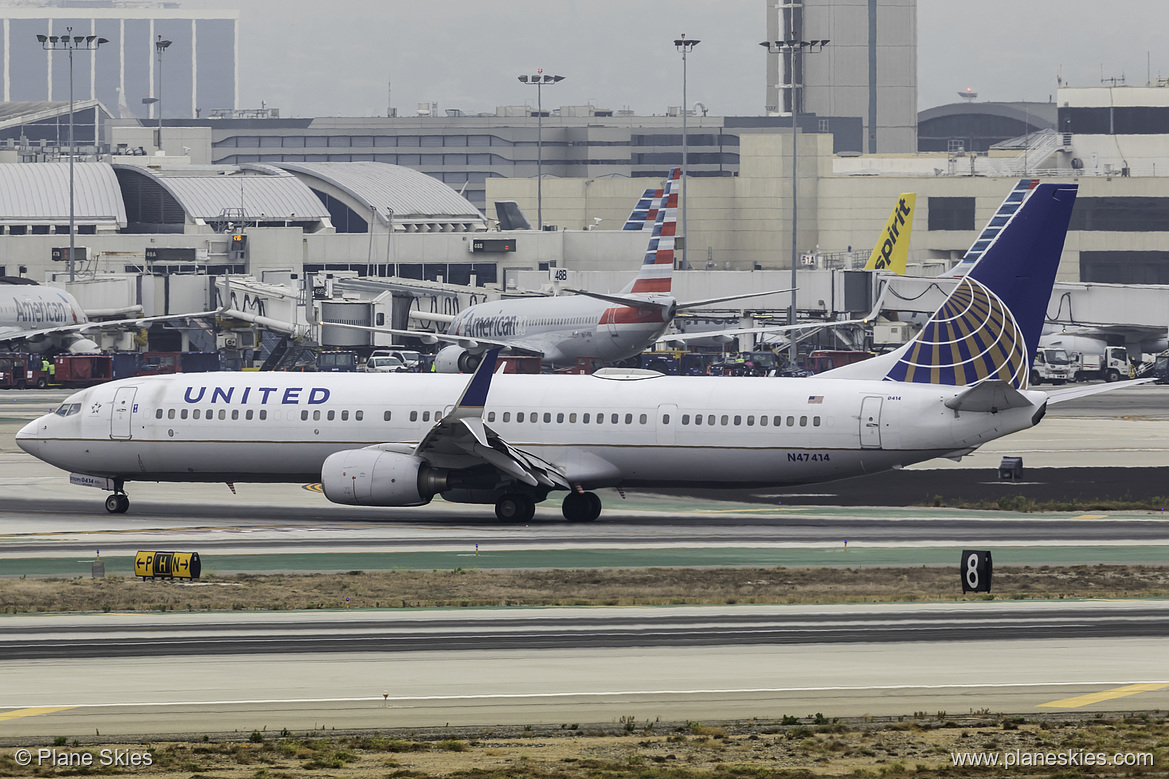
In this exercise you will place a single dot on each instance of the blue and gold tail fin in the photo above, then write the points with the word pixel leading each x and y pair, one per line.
pixel 1011 203
pixel 989 326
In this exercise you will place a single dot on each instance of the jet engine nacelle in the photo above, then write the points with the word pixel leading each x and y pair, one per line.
pixel 456 359
pixel 373 477
pixel 83 346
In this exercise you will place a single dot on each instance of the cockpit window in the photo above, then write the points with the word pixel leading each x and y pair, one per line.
pixel 68 409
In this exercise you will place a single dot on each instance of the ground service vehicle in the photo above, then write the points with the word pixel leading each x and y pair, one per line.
pixel 411 359
pixel 159 363
pixel 83 370
pixel 750 364
pixel 664 361
pixel 1111 366
pixel 1160 369
pixel 826 359
pixel 337 362
pixel 1052 365
pixel 19 370
pixel 390 363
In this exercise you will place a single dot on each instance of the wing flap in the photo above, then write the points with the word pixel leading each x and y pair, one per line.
pixel 461 437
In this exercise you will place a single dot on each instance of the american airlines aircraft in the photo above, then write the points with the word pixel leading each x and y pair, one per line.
pixel 43 319
pixel 514 440
pixel 559 330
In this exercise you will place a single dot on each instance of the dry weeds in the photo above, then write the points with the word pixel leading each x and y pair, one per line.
pixel 592 587
pixel 806 747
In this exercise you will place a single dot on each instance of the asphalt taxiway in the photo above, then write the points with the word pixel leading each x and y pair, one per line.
pixel 155 674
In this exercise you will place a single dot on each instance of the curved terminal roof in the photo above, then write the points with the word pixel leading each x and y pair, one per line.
pixel 38 194
pixel 980 125
pixel 1040 116
pixel 259 194
pixel 420 203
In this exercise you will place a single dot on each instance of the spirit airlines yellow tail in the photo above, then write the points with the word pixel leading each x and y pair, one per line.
pixel 892 249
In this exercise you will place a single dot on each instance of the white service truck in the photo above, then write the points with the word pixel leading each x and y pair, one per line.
pixel 1053 365
pixel 1112 365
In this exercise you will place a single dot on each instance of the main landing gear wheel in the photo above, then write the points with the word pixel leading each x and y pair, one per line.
pixel 515 507
pixel 581 506
pixel 117 503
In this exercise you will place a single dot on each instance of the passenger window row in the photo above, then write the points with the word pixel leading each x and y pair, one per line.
pixel 249 414
pixel 737 419
pixel 572 418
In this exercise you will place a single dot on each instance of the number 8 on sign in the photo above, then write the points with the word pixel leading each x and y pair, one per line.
pixel 975 571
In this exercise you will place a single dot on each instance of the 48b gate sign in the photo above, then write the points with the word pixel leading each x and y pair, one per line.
pixel 976 570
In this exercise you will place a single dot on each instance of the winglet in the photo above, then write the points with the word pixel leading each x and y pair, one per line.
pixel 474 397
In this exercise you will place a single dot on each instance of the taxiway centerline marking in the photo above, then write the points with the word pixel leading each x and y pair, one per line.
pixel 1105 695
pixel 33 712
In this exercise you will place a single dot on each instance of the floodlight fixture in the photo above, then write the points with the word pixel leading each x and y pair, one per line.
pixel 539 80
pixel 70 43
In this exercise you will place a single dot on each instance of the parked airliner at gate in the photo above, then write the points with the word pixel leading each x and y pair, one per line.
pixel 513 440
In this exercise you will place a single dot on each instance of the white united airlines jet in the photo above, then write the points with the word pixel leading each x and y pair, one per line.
pixel 513 440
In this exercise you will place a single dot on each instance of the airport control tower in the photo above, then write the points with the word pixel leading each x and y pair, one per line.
pixel 868 69
pixel 201 63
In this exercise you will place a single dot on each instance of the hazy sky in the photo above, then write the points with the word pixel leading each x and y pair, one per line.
pixel 334 58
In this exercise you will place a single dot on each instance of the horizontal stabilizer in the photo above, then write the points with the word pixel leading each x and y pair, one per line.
pixel 712 301
pixel 1071 393
pixel 990 396
pixel 623 300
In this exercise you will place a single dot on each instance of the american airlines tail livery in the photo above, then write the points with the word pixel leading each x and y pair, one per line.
pixel 514 440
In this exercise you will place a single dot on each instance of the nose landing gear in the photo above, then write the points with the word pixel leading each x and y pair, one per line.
pixel 118 501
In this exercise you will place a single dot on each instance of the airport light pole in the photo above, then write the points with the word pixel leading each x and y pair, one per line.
pixel 538 81
pixel 794 48
pixel 684 46
pixel 70 43
pixel 160 46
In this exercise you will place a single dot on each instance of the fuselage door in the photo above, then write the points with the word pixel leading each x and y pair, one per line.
pixel 123 411
pixel 871 423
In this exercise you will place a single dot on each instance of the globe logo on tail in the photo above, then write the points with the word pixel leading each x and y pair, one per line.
pixel 973 337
